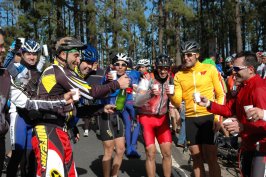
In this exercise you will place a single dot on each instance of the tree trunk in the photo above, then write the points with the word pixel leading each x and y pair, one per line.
pixel 177 42
pixel 238 28
pixel 115 32
pixel 160 26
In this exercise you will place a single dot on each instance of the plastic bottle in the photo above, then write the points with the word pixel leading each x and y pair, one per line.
pixel 121 99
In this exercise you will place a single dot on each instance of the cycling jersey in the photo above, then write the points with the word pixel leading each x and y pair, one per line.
pixel 202 78
pixel 252 92
pixel 57 80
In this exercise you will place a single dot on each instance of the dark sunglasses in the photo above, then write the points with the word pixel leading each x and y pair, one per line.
pixel 238 68
pixel 163 68
pixel 188 54
pixel 118 64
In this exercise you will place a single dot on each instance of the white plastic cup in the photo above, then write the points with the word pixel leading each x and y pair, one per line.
pixel 196 96
pixel 171 89
pixel 76 95
pixel 114 74
pixel 228 121
pixel 156 87
pixel 45 50
pixel 247 107
pixel 22 40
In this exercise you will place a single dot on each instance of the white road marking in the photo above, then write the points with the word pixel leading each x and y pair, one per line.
pixel 174 163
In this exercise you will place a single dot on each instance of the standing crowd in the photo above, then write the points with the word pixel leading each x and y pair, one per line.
pixel 42 102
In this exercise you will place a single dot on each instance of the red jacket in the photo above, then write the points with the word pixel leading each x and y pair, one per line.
pixel 252 92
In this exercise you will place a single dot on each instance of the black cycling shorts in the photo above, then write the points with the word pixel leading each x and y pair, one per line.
pixel 111 126
pixel 199 130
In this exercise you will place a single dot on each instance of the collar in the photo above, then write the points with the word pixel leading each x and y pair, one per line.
pixel 251 80
pixel 195 67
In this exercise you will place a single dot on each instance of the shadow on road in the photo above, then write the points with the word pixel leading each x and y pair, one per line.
pixel 81 171
pixel 129 167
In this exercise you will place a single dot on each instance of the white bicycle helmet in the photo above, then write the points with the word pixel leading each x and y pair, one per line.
pixel 121 57
pixel 143 62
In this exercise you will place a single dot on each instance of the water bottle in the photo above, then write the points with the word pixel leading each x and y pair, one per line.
pixel 121 99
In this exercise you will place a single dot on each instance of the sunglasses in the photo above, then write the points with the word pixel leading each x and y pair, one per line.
pixel 118 64
pixel 188 54
pixel 238 68
pixel 163 68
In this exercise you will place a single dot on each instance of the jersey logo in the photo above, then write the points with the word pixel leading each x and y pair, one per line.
pixel 203 73
pixel 109 132
pixel 55 173
pixel 43 143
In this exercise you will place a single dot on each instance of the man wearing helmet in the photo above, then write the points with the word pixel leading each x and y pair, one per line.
pixel 25 76
pixel 143 65
pixel 153 116
pixel 204 79
pixel 50 132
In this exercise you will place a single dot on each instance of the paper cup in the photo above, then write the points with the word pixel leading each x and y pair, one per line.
pixel 114 74
pixel 228 121
pixel 247 107
pixel 156 87
pixel 171 89
pixel 197 97
pixel 45 50
pixel 76 95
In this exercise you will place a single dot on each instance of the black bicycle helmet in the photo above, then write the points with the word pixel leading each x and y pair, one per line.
pixel 190 46
pixel 69 43
pixel 163 60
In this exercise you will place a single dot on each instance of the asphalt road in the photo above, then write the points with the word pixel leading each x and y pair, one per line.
pixel 88 154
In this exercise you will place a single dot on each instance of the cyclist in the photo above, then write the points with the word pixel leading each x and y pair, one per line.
pixel 250 124
pixel 111 126
pixel 200 124
pixel 153 116
pixel 25 75
pixel 50 141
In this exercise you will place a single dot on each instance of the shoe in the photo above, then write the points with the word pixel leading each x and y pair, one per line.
pixel 86 133
pixel 180 145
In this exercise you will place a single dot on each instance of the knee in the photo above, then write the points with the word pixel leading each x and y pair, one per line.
pixel 167 155
pixel 120 150
pixel 150 154
pixel 108 151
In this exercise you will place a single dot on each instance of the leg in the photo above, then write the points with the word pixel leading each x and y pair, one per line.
pixel 2 153
pixel 167 160
pixel 150 160
pixel 127 123
pixel 182 133
pixel 86 127
pixel 210 153
pixel 108 147
pixel 196 154
pixel 163 135
pixel 120 150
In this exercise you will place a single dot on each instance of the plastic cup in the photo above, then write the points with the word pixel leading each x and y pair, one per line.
pixel 114 74
pixel 228 121
pixel 171 89
pixel 156 87
pixel 76 95
pixel 45 50
pixel 196 96
pixel 247 107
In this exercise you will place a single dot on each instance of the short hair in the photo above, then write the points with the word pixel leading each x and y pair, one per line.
pixel 2 32
pixel 250 59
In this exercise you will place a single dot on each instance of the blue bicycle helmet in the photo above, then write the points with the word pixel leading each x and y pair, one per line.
pixel 90 54
pixel 30 46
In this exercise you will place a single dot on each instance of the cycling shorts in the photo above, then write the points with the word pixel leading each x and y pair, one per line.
pixel 253 164
pixel 53 152
pixel 111 126
pixel 155 127
pixel 199 130
pixel 20 133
